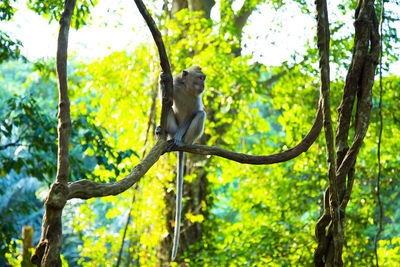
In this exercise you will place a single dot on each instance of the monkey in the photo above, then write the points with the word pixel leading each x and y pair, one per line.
pixel 185 123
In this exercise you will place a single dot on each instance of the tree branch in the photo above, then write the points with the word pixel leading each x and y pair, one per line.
pixel 279 75
pixel 16 143
pixel 323 36
pixel 286 155
pixel 361 45
pixel 86 189
pixel 243 14
pixel 358 84
pixel 164 63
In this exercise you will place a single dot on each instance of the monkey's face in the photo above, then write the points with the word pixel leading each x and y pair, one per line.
pixel 199 82
pixel 193 80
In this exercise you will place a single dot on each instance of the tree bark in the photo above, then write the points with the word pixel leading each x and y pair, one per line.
pixel 49 248
pixel 329 230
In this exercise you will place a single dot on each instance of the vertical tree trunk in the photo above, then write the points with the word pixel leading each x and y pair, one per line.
pixel 359 81
pixel 49 248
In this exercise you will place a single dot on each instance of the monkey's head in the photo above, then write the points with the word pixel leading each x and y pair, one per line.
pixel 194 80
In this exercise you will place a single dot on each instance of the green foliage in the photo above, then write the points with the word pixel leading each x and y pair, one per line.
pixel 26 127
pixel 258 215
pixel 28 148
pixel 116 91
pixel 252 215
pixel 389 251
pixel 6 10
pixel 33 133
pixel 52 10
pixel 252 207
pixel 9 48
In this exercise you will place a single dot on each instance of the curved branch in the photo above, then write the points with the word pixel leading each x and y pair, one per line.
pixel 164 63
pixel 243 14
pixel 286 155
pixel 86 189
pixel 156 35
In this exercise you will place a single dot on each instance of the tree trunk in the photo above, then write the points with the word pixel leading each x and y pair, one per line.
pixel 49 248
pixel 329 230
pixel 193 5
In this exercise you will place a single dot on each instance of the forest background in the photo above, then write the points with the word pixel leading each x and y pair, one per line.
pixel 261 96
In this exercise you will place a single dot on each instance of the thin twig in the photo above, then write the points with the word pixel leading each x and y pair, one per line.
pixel 128 219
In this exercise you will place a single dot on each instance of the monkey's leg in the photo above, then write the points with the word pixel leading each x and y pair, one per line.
pixel 178 134
pixel 183 129
pixel 196 128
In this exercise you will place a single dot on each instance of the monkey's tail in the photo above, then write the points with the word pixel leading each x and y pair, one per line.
pixel 178 210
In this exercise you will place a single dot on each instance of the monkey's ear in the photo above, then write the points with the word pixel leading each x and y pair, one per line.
pixel 184 75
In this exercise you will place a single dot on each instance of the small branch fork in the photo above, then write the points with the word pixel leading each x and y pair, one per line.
pixel 48 250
